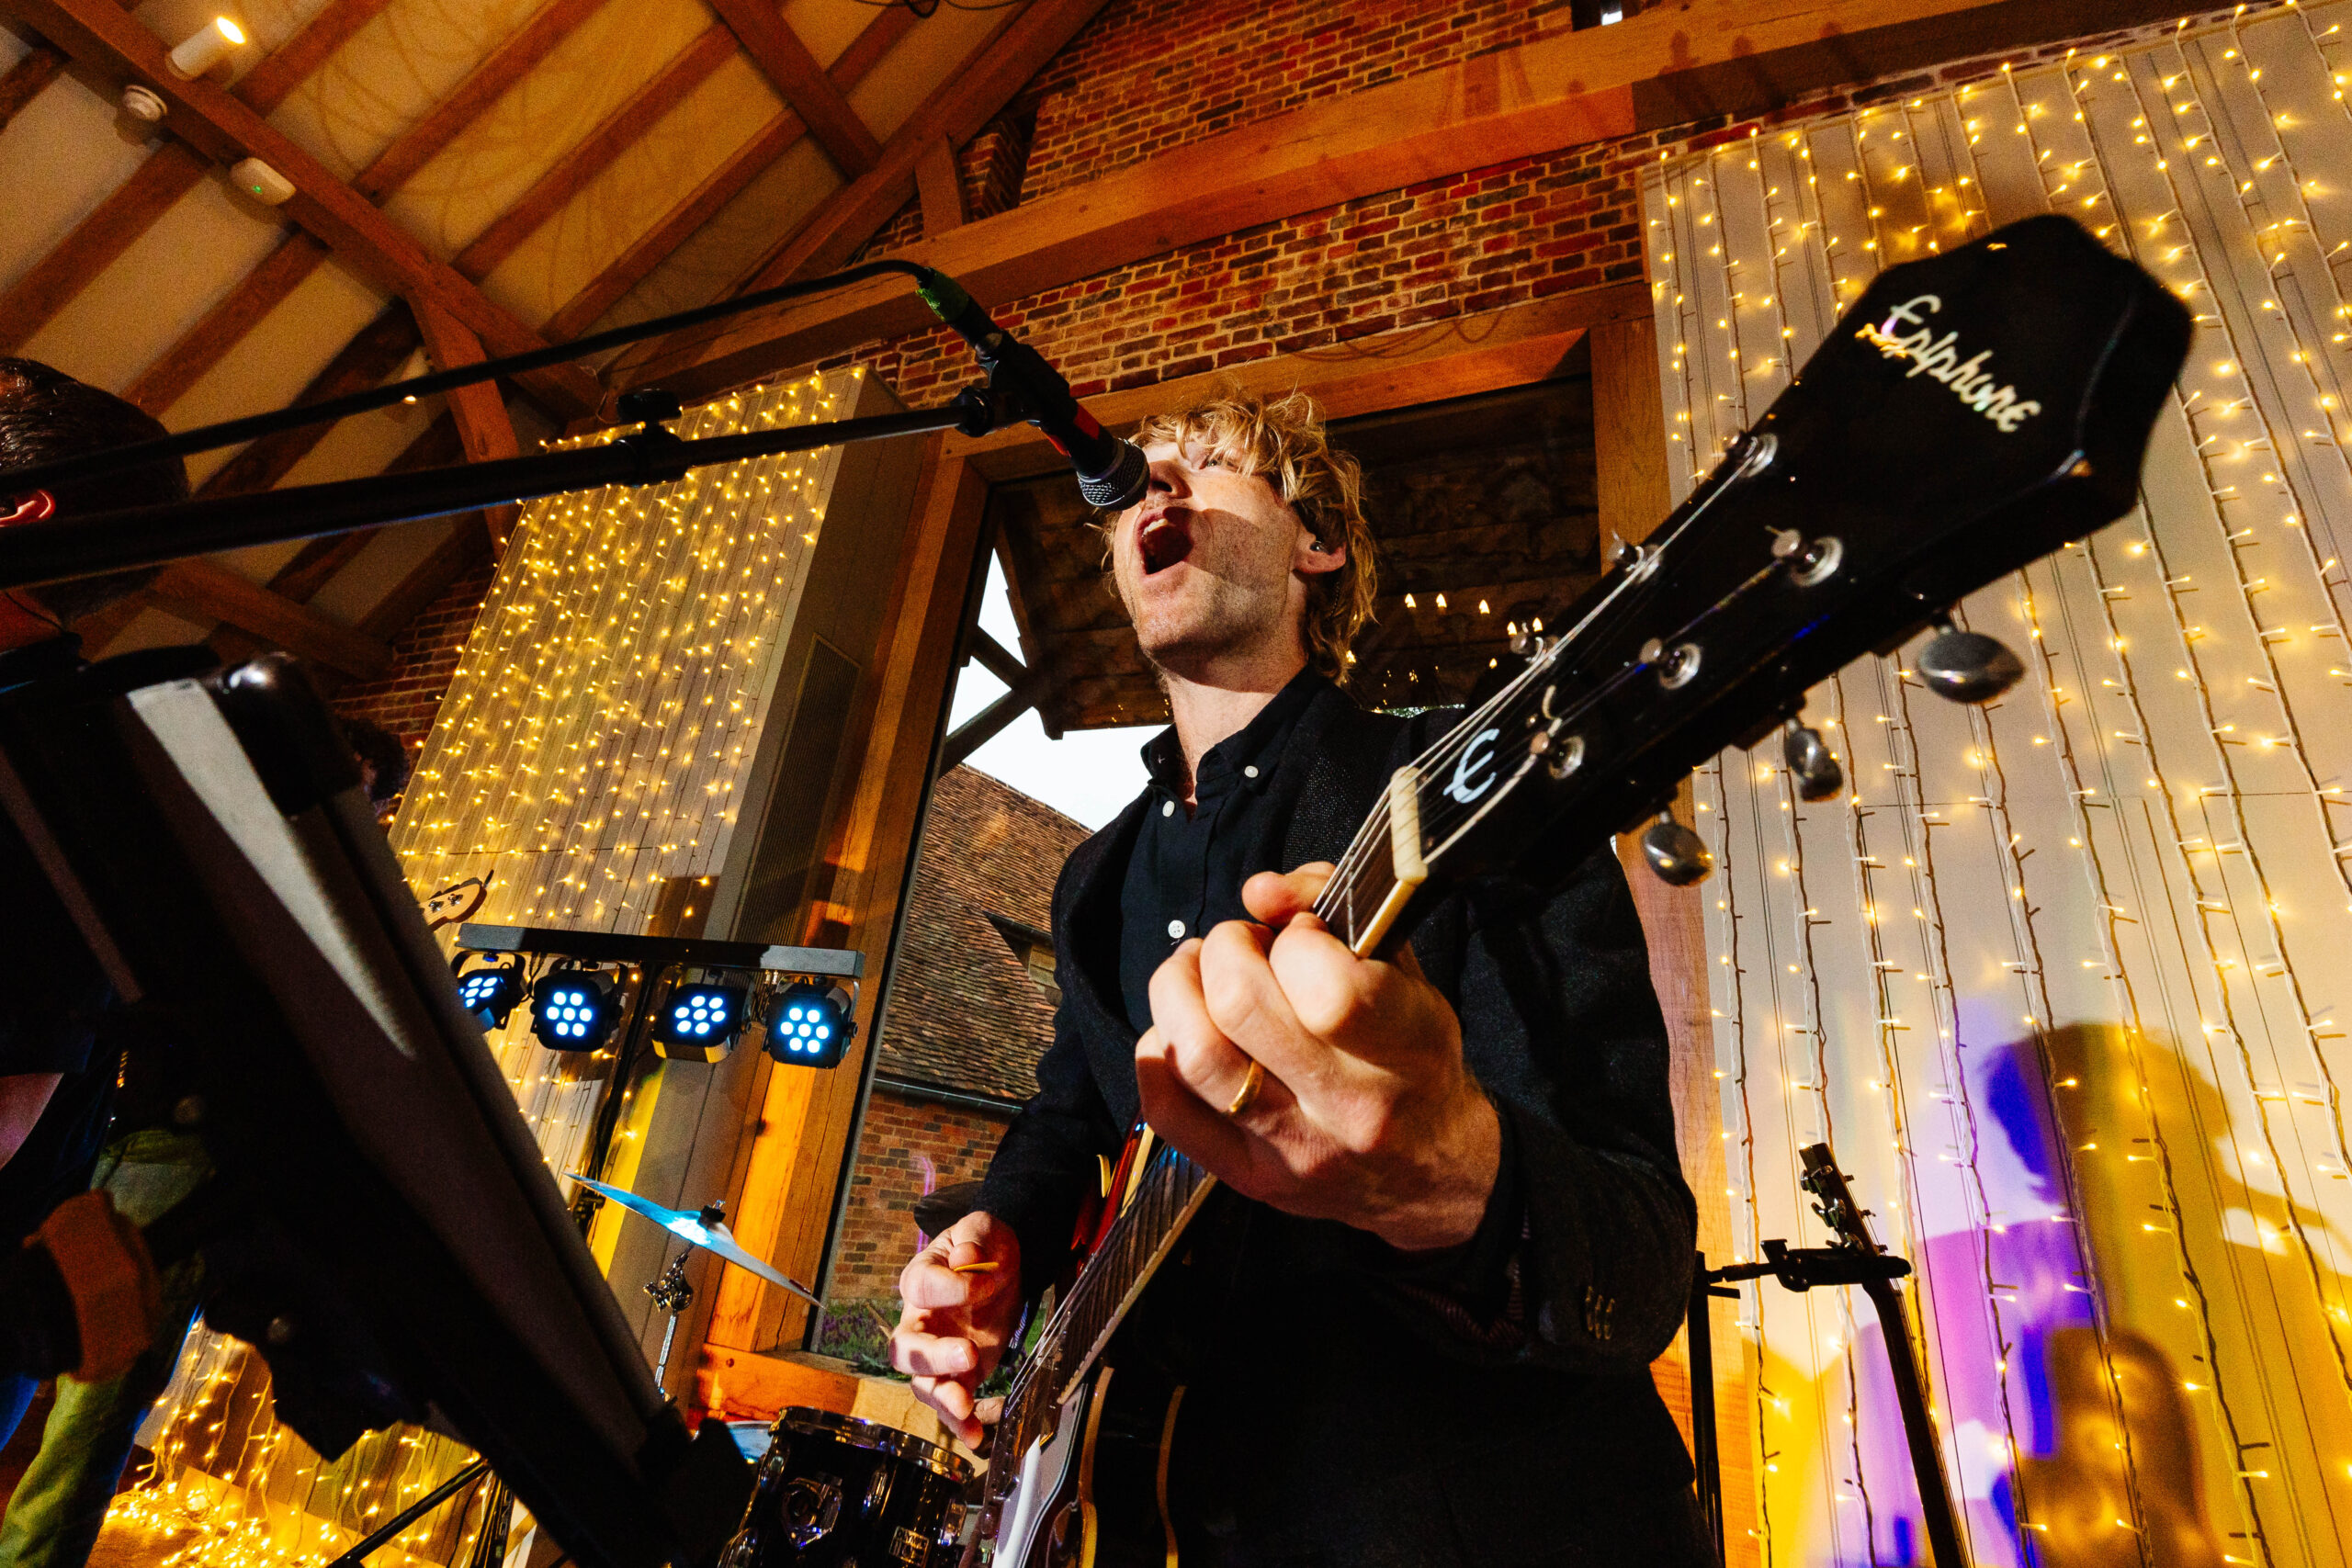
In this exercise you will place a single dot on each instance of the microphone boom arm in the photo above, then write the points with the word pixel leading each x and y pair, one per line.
pixel 97 543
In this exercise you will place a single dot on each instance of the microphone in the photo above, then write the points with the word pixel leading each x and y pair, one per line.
pixel 1112 474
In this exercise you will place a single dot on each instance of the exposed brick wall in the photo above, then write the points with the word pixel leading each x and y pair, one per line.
pixel 964 1012
pixel 878 1229
pixel 405 699
pixel 1147 75
pixel 1478 242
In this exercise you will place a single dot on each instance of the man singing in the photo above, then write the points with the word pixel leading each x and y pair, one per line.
pixel 1464 1234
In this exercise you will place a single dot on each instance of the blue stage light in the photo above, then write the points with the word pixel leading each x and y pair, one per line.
pixel 698 1022
pixel 489 991
pixel 574 1009
pixel 810 1026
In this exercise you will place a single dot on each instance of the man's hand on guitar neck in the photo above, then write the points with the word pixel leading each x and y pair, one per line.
pixel 954 1318
pixel 1365 1113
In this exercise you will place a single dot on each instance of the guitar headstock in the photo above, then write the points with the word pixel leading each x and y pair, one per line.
pixel 1833 1199
pixel 1969 413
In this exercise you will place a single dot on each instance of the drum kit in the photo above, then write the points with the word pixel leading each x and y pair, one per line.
pixel 831 1491
pixel 834 1491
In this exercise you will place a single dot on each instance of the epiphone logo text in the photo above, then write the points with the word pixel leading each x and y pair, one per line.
pixel 1939 357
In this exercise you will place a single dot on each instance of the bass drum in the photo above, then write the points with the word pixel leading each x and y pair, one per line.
pixel 836 1492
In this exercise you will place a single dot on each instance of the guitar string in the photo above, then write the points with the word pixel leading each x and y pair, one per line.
pixel 1448 747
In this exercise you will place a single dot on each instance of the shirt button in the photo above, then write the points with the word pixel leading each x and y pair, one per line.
pixel 1250 772
pixel 1176 927
pixel 1168 808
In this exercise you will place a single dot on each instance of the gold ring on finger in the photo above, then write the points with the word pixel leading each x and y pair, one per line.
pixel 1248 1094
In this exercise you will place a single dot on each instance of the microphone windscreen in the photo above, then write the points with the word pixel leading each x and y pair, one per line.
pixel 1123 483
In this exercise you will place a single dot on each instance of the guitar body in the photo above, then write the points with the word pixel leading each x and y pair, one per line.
pixel 1093 1494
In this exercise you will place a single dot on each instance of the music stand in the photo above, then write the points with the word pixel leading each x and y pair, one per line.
pixel 382 1227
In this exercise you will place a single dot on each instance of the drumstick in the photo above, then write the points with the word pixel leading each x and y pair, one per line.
pixel 986 1267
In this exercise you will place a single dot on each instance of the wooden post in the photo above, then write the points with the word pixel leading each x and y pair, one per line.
pixel 796 1156
pixel 1629 438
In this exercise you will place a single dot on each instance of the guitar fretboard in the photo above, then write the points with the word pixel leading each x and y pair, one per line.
pixel 1170 1189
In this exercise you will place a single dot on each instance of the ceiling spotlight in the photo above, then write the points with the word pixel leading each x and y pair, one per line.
pixel 142 103
pixel 574 1009
pixel 698 1023
pixel 810 1025
pixel 489 991
pixel 206 47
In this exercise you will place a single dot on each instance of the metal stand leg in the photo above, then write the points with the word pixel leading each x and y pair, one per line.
pixel 1703 1457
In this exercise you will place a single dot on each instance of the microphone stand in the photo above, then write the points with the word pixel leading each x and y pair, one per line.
pixel 60 548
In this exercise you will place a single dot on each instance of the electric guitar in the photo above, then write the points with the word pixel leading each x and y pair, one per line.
pixel 1969 413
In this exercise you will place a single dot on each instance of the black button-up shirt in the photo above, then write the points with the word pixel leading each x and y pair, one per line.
pixel 1186 873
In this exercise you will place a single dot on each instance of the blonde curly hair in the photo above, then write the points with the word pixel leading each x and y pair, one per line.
pixel 1282 439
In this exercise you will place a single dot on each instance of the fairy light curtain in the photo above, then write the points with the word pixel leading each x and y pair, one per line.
pixel 2061 980
pixel 602 718
pixel 589 748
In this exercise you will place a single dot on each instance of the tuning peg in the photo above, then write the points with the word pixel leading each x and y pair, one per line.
pixel 1816 771
pixel 1675 853
pixel 1968 667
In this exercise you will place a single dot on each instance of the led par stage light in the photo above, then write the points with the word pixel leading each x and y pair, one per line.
pixel 489 991
pixel 574 1009
pixel 810 1026
pixel 699 1022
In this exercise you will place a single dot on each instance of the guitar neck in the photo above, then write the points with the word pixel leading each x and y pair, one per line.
pixel 1168 1192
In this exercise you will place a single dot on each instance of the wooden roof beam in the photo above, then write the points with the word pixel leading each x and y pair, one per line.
pixel 40 66
pixel 633 266
pixel 365 362
pixel 941 185
pixel 1655 70
pixel 619 131
pixel 242 308
pixel 484 85
pixel 205 590
pixel 102 34
pixel 169 174
pixel 793 72
pixel 979 86
pixel 480 414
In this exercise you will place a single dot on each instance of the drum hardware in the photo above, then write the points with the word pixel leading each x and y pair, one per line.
pixel 834 1491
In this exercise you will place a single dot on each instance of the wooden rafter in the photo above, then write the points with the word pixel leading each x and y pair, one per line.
pixel 169 174
pixel 1655 70
pixel 365 361
pixel 765 145
pixel 619 131
pixel 204 589
pixel 288 65
pixel 483 87
pixel 942 189
pixel 105 232
pixel 103 35
pixel 40 66
pixel 786 61
pixel 479 412
pixel 240 310
pixel 979 86
pixel 298 256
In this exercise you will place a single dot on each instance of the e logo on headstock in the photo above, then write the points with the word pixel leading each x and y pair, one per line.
pixel 1476 763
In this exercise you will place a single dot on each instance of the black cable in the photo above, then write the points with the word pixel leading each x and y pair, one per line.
pixel 41 475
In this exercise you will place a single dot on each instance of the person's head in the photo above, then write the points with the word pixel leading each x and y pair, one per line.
pixel 1250 543
pixel 383 761
pixel 46 415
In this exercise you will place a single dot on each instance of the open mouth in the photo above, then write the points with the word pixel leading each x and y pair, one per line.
pixel 1163 542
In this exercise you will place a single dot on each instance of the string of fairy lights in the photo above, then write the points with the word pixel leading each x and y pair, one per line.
pixel 2159 815
pixel 590 747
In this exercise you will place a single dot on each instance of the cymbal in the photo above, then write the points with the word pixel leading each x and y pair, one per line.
pixel 699 1229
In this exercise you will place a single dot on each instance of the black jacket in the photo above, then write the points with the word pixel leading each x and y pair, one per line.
pixel 1351 1406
